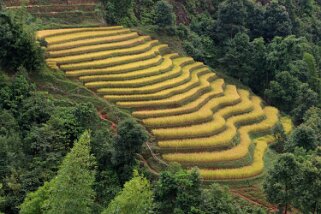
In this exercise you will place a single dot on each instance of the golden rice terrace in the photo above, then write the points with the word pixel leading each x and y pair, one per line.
pixel 197 119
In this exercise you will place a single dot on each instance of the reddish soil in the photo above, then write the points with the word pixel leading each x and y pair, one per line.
pixel 104 116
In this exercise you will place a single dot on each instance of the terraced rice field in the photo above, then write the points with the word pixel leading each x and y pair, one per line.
pixel 197 119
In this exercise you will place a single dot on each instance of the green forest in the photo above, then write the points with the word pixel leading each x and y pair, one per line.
pixel 66 149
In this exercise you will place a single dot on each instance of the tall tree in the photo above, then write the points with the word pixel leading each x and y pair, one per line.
pixel 178 190
pixel 308 191
pixel 116 12
pixel 283 91
pixel 304 137
pixel 280 183
pixel 216 200
pixel 305 100
pixel 276 21
pixel 136 198
pixel 71 190
pixel 128 142
pixel 230 19
pixel 312 118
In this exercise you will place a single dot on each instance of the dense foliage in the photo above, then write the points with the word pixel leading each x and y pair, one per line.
pixel 18 47
pixel 295 180
pixel 75 178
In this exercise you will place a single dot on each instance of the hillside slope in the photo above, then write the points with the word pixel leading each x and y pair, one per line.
pixel 197 119
pixel 61 11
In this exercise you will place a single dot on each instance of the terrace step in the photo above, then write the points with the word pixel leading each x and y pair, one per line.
pixel 60 11
pixel 12 3
pixel 56 8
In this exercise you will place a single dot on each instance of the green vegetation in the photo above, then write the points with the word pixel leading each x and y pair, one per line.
pixel 136 197
pixel 295 180
pixel 66 150
pixel 75 177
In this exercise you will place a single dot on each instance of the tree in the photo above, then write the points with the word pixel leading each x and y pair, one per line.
pixel 71 190
pixel 34 110
pixel 164 15
pixel 13 95
pixel 283 91
pixel 178 190
pixel 35 202
pixel 303 137
pixel 279 136
pixel 230 19
pixel 216 200
pixel 86 115
pixel 308 191
pixel 312 119
pixel 280 183
pixel 136 198
pixel 313 73
pixel 276 21
pixel 237 60
pixel 254 19
pixel 119 12
pixel 281 51
pixel 306 99
pixel 128 142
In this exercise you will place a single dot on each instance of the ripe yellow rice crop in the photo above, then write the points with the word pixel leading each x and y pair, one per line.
pixel 163 94
pixel 174 72
pixel 170 83
pixel 183 97
pixel 55 32
pixel 252 170
pixel 287 124
pixel 216 124
pixel 234 153
pixel 217 89
pixel 223 138
pixel 106 54
pixel 99 47
pixel 119 69
pixel 185 104
pixel 92 41
pixel 165 66
pixel 115 60
pixel 84 35
pixel 204 114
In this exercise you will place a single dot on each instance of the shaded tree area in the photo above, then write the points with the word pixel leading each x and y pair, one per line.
pixel 295 182
pixel 18 46
pixel 38 131
pixel 179 191
pixel 71 190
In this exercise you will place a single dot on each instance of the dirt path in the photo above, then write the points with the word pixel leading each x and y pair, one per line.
pixel 272 209
pixel 144 161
